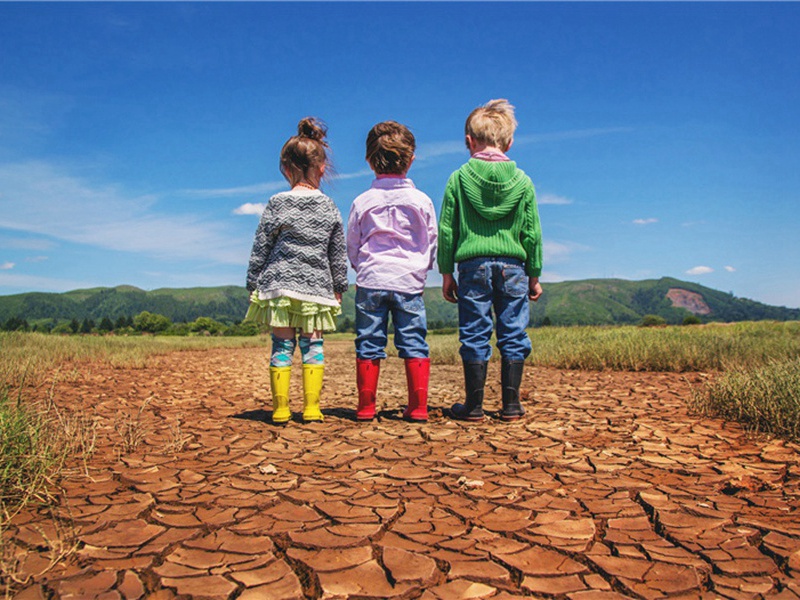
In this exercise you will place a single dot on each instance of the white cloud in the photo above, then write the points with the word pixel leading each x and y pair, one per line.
pixel 700 270
pixel 6 266
pixel 730 269
pixel 649 221
pixel 24 243
pixel 249 208
pixel 36 259
pixel 434 149
pixel 573 134
pixel 553 199
pixel 258 189
pixel 42 199
pixel 561 252
pixel 47 284
pixel 353 175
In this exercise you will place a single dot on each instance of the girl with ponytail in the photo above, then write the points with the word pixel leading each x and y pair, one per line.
pixel 298 269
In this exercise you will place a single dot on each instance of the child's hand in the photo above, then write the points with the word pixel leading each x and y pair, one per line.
pixel 449 288
pixel 534 289
pixel 338 297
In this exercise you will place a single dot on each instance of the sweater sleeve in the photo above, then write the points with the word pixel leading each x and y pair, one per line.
pixel 448 227
pixel 262 247
pixel 531 236
pixel 337 255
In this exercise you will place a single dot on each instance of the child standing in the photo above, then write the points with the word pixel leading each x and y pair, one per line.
pixel 298 269
pixel 391 243
pixel 490 226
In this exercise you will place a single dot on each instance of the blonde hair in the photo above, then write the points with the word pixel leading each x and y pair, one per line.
pixel 492 124
pixel 303 155
pixel 390 148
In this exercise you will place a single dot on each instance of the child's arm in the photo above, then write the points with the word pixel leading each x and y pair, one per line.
pixel 449 288
pixel 448 234
pixel 353 237
pixel 337 256
pixel 433 233
pixel 262 246
pixel 531 236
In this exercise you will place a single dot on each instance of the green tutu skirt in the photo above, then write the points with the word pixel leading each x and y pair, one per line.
pixel 288 312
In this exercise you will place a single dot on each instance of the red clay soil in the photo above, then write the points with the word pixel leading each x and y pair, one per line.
pixel 607 488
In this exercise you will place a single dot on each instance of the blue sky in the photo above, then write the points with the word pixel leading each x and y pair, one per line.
pixel 137 140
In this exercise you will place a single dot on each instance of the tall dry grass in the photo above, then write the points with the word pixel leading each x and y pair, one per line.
pixel 32 356
pixel 764 399
pixel 714 347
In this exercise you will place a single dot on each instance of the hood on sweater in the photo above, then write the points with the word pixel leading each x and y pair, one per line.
pixel 493 188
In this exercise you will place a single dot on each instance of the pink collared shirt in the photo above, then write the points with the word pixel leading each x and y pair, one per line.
pixel 391 236
pixel 491 156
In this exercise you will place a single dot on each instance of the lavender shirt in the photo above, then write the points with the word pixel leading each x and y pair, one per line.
pixel 391 236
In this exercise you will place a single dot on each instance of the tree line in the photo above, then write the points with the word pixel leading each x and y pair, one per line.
pixel 143 323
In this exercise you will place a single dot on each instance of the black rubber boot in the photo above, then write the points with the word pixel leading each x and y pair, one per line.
pixel 511 377
pixel 474 380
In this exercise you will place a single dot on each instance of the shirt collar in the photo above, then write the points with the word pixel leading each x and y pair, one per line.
pixel 392 183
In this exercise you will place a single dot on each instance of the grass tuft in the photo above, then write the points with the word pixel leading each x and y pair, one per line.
pixel 765 399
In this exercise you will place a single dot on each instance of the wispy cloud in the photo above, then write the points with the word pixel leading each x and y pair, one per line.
pixel 730 269
pixel 561 252
pixel 42 199
pixel 572 134
pixel 249 209
pixel 258 189
pixel 444 148
pixel 48 284
pixel 648 221
pixel 24 243
pixel 553 199
pixel 700 270
pixel 434 149
pixel 6 266
pixel 353 175
pixel 262 189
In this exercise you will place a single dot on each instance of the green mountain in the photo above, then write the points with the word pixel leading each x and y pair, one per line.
pixel 586 302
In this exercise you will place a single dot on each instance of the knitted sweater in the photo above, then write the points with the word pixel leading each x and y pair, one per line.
pixel 299 249
pixel 489 209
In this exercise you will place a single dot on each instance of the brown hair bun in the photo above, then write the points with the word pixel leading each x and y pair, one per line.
pixel 312 128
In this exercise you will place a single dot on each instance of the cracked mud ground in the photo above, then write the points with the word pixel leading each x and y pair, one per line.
pixel 608 488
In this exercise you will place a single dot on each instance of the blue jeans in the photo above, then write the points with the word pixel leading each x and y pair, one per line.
pixel 499 284
pixel 372 322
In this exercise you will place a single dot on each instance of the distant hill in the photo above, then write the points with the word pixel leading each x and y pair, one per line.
pixel 586 302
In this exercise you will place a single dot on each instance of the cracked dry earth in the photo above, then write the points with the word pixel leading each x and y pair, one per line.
pixel 608 488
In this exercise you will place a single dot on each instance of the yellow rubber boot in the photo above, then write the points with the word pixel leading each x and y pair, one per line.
pixel 279 381
pixel 312 386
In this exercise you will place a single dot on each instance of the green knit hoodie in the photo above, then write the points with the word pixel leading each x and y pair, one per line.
pixel 489 209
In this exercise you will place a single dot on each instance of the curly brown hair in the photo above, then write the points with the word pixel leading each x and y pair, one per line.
pixel 390 148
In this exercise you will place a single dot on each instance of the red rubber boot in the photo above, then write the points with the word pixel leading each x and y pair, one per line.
pixel 418 371
pixel 367 372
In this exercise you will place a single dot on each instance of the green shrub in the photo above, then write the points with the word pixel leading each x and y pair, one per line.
pixel 652 321
pixel 692 320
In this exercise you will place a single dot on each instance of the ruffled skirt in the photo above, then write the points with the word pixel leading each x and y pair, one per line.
pixel 289 312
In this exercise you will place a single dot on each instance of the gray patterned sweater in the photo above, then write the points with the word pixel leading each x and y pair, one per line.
pixel 299 249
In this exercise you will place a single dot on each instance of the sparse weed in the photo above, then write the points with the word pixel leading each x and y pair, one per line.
pixel 131 428
pixel 59 542
pixel 32 449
